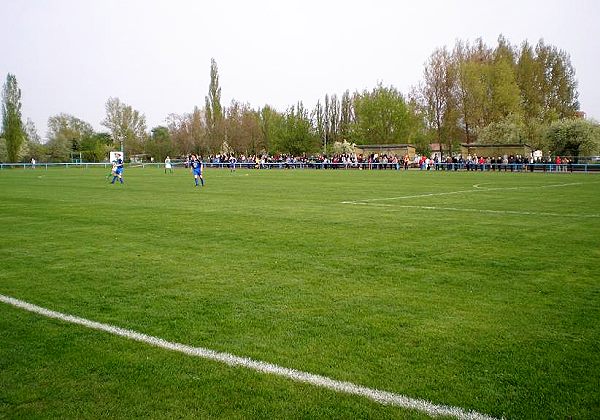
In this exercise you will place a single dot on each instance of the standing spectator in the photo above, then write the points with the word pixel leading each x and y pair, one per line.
pixel 168 165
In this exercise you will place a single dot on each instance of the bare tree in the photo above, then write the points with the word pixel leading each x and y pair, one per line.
pixel 436 96
pixel 126 125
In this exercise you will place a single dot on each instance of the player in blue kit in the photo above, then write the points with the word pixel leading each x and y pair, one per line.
pixel 196 165
pixel 117 169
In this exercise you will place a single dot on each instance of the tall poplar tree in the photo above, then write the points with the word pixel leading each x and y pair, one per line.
pixel 334 119
pixel 346 115
pixel 319 124
pixel 214 110
pixel 12 125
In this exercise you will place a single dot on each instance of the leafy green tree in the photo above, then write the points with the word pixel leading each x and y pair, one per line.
pixel 418 133
pixel 470 98
pixel 159 144
pixel 499 86
pixel 469 89
pixel 12 125
pixel 381 117
pixel 95 147
pixel 269 121
pixel 574 137
pixel 505 92
pixel 530 77
pixel 253 140
pixel 508 130
pixel 126 125
pixel 558 85
pixel 3 153
pixel 294 133
pixel 65 135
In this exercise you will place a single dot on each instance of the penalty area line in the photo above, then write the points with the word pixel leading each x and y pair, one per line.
pixel 382 397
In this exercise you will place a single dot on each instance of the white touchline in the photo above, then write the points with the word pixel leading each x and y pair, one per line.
pixel 391 207
pixel 524 213
pixel 476 188
pixel 383 397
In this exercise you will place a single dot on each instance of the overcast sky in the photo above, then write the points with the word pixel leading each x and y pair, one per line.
pixel 70 56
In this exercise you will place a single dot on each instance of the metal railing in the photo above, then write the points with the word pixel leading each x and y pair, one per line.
pixel 463 166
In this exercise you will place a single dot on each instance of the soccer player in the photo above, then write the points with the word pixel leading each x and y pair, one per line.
pixel 196 165
pixel 232 162
pixel 117 170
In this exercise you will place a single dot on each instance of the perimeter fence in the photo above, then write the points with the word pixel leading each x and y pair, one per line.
pixel 450 167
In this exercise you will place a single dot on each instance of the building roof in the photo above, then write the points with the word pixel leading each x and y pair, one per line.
pixel 495 145
pixel 383 146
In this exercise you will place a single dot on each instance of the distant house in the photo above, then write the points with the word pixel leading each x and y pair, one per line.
pixel 141 158
pixel 495 150
pixel 436 149
pixel 386 149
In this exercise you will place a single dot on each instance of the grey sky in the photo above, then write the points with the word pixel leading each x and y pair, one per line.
pixel 72 55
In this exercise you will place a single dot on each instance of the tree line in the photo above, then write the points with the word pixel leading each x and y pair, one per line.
pixel 470 94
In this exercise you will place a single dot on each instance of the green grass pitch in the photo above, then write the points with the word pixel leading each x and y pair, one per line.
pixel 474 290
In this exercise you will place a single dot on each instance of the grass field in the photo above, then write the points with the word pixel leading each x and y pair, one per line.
pixel 472 290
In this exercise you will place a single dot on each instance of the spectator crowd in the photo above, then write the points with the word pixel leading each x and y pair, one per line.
pixel 376 161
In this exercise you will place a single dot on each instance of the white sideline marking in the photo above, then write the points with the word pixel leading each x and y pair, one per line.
pixel 476 188
pixel 382 397
pixel 391 207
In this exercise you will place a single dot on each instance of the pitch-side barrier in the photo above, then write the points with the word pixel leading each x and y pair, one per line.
pixel 487 167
